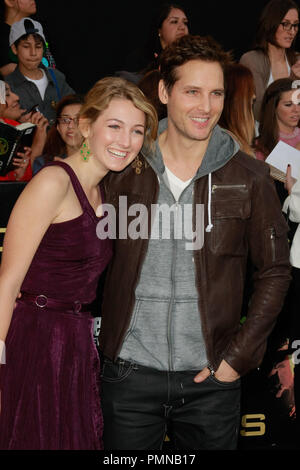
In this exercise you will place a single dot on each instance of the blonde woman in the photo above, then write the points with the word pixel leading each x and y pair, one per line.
pixel 49 384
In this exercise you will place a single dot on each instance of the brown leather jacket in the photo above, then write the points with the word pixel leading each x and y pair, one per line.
pixel 247 222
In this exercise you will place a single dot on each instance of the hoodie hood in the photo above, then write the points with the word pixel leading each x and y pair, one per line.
pixel 221 148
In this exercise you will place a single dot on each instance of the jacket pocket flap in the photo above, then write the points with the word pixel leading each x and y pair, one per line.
pixel 237 208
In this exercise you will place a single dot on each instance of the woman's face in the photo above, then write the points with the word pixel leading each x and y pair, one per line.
pixel 173 27
pixel 68 126
pixel 27 7
pixel 12 109
pixel 117 136
pixel 287 112
pixel 286 32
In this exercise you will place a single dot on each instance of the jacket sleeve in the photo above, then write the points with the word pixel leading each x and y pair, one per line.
pixel 64 87
pixel 254 61
pixel 269 252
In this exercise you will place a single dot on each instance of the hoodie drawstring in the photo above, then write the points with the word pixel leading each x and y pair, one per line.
pixel 210 225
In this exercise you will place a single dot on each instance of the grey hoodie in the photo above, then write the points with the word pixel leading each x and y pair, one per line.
pixel 165 332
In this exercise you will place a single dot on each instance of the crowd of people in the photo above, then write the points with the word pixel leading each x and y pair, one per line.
pixel 185 126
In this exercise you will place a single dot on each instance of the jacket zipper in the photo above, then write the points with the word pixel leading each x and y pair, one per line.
pixel 273 237
pixel 228 186
pixel 171 304
pixel 133 299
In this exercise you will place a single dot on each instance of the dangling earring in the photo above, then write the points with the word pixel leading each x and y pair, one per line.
pixel 85 151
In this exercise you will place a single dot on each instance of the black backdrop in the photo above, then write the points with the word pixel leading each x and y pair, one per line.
pixel 90 39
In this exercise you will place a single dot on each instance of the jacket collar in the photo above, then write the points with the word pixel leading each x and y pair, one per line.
pixel 221 148
pixel 19 78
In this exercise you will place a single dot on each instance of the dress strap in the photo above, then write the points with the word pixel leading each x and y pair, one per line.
pixel 84 202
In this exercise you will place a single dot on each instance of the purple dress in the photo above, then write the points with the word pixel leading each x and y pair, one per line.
pixel 50 383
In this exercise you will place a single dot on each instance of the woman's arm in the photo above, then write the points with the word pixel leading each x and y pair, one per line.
pixel 40 135
pixel 37 207
pixel 292 202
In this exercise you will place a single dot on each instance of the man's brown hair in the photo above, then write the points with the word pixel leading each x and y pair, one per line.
pixel 189 48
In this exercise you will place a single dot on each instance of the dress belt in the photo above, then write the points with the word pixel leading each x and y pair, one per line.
pixel 43 301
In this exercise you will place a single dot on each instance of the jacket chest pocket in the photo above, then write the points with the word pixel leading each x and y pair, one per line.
pixel 231 207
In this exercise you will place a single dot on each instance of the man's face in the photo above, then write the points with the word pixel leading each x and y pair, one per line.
pixel 196 100
pixel 29 52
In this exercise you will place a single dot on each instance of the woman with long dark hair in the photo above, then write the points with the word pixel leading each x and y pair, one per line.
pixel 279 118
pixel 64 137
pixel 273 55
pixel 169 23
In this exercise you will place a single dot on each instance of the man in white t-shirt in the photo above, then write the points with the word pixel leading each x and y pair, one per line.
pixel 35 84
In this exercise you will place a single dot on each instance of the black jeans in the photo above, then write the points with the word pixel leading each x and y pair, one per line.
pixel 140 405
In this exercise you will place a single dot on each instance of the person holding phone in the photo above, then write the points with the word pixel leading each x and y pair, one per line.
pixel 31 80
pixel 12 113
pixel 21 162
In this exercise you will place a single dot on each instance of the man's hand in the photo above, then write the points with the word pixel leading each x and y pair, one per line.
pixel 225 373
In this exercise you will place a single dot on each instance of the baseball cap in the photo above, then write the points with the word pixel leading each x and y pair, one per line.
pixel 23 27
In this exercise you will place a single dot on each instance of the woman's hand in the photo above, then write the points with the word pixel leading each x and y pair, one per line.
pixel 290 181
pixel 40 136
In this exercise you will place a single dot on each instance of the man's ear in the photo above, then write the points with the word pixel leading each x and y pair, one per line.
pixel 10 3
pixel 162 92
pixel 14 49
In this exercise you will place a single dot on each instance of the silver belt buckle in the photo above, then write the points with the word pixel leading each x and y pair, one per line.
pixel 41 301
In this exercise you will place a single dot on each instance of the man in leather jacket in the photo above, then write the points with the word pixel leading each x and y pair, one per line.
pixel 173 344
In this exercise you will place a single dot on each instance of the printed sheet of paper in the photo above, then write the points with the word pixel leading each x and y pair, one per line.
pixel 283 155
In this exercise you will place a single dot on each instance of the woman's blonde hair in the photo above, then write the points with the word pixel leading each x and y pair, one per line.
pixel 108 88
